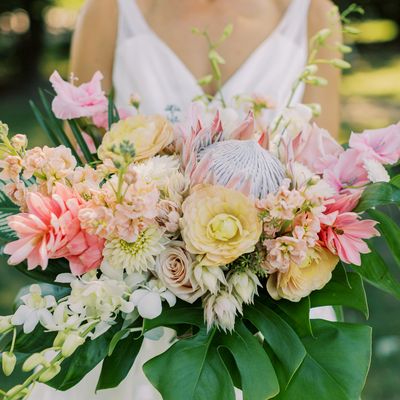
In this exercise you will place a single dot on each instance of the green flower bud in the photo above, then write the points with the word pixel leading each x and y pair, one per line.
pixel 5 324
pixel 351 30
pixel 12 393
pixel 344 49
pixel 341 64
pixel 60 339
pixel 32 362
pixel 50 373
pixel 315 108
pixel 8 362
pixel 316 81
pixel 311 69
pixel 71 343
pixel 322 35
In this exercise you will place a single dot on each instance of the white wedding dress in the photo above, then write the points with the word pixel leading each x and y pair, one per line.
pixel 145 65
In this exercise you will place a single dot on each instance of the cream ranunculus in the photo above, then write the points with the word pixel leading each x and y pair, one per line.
pixel 300 280
pixel 219 224
pixel 149 134
pixel 174 267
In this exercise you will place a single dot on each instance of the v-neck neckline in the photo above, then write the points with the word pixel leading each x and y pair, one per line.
pixel 242 66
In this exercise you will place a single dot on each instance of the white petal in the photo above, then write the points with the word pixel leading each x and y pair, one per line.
pixel 45 317
pixel 150 306
pixel 31 322
pixel 50 301
pixel 127 307
pixel 170 297
pixel 137 296
pixel 21 315
pixel 65 278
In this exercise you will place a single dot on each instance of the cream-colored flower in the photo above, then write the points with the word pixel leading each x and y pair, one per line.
pixel 138 256
pixel 174 267
pixel 300 280
pixel 220 224
pixel 148 133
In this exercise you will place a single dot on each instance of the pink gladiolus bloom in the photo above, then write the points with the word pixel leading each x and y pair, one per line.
pixel 344 234
pixel 348 173
pixel 72 101
pixel 51 229
pixel 382 145
pixel 345 202
pixel 311 146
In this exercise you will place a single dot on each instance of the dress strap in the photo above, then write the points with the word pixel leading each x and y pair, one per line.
pixel 131 20
pixel 295 22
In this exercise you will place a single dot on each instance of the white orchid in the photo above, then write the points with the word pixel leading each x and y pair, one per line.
pixel 34 310
pixel 148 299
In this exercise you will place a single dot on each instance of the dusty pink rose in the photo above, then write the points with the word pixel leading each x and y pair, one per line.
pixel 311 146
pixel 72 101
pixel 382 145
pixel 347 173
pixel 344 235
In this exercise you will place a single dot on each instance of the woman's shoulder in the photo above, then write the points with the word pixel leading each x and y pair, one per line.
pixel 323 14
pixel 100 10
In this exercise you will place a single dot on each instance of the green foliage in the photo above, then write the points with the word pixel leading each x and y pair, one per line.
pixel 378 194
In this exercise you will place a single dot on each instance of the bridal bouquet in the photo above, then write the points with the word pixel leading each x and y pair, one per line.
pixel 221 226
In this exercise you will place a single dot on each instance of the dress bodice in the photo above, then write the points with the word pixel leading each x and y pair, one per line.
pixel 146 65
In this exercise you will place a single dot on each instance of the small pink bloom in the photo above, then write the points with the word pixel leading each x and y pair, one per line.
pixel 101 119
pixel 10 168
pixel 348 173
pixel 382 145
pixel 344 234
pixel 72 101
pixel 282 251
pixel 311 146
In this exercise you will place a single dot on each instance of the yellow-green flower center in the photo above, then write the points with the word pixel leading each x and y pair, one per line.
pixel 224 227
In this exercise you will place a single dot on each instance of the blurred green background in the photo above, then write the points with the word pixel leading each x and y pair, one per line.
pixel 35 38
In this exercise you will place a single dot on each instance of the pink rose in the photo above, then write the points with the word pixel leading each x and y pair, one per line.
pixel 72 101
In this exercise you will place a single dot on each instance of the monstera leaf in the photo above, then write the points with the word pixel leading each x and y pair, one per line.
pixel 378 194
pixel 284 359
pixel 7 208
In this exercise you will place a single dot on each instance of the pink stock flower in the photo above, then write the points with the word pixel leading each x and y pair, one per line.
pixel 382 145
pixel 311 146
pixel 10 168
pixel 348 172
pixel 344 234
pixel 72 101
pixel 51 229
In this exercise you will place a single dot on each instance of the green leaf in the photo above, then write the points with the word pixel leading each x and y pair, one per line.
pixel 297 314
pixel 257 373
pixel 390 232
pixel 84 360
pixel 375 271
pixel 336 365
pixel 116 367
pixel 81 141
pixel 345 289
pixel 378 194
pixel 195 371
pixel 7 209
pixel 281 338
pixel 395 181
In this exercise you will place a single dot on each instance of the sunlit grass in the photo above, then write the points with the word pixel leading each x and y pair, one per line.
pixel 374 82
pixel 376 31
